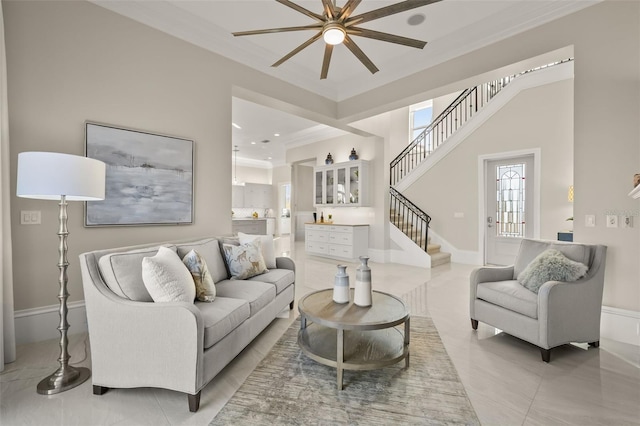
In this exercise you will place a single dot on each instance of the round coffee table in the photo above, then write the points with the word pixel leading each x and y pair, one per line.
pixel 349 337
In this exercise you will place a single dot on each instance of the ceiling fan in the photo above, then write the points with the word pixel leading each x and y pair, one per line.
pixel 336 26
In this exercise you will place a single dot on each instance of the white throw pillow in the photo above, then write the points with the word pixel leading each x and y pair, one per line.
pixel 244 261
pixel 266 244
pixel 166 278
pixel 205 287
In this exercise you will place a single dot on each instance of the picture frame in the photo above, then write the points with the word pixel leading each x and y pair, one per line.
pixel 149 178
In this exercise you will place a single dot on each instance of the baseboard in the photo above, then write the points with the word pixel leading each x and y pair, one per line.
pixel 38 324
pixel 620 325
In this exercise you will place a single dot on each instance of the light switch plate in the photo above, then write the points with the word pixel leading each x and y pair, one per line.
pixel 612 221
pixel 627 221
pixel 590 221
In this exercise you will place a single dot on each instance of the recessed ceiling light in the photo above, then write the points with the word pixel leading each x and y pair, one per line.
pixel 269 158
pixel 276 134
pixel 253 142
pixel 416 19
pixel 236 126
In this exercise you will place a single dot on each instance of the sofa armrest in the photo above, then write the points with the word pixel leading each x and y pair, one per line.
pixel 285 263
pixel 485 274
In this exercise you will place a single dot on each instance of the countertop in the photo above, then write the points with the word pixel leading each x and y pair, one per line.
pixel 251 218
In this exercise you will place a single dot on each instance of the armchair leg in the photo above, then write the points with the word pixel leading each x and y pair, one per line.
pixel 99 390
pixel 546 354
pixel 595 344
pixel 291 305
pixel 194 402
pixel 474 324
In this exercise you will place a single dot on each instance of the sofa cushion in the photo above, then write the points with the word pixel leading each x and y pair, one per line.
pixel 221 317
pixel 122 272
pixel 166 278
pixel 281 278
pixel 205 287
pixel 550 265
pixel 258 294
pixel 510 295
pixel 530 249
pixel 209 249
pixel 244 261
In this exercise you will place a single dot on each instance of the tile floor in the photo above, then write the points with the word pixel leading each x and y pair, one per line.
pixel 505 379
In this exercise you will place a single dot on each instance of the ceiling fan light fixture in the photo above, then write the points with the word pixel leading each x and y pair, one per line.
pixel 333 33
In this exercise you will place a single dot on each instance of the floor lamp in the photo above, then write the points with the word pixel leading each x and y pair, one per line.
pixel 63 177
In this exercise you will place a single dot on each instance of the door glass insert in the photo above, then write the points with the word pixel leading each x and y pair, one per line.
pixel 510 219
pixel 319 184
pixel 342 186
pixel 354 184
pixel 329 187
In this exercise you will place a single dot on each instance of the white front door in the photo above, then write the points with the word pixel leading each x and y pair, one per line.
pixel 509 189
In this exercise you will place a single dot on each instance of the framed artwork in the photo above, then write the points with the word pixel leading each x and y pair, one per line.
pixel 149 177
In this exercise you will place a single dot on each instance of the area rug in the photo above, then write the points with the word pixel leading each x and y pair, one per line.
pixel 288 388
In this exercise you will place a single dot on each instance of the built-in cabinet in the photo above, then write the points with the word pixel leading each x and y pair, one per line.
pixel 337 241
pixel 249 226
pixel 252 195
pixel 342 184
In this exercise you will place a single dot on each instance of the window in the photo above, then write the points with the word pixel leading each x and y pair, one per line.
pixel 420 117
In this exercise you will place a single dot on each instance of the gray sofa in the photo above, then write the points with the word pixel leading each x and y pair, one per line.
pixel 175 345
pixel 561 312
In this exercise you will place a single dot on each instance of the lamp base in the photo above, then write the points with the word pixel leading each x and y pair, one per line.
pixel 63 379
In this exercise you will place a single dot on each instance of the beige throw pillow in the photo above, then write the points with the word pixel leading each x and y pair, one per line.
pixel 166 278
pixel 266 244
pixel 205 287
pixel 245 260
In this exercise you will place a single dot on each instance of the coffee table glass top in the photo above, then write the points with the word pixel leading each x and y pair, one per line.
pixel 386 311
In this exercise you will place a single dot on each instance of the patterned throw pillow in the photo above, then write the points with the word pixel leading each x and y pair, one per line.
pixel 166 278
pixel 244 261
pixel 550 265
pixel 205 287
pixel 266 244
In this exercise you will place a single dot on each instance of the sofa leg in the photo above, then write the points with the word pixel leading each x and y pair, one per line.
pixel 595 344
pixel 291 306
pixel 194 402
pixel 474 324
pixel 99 390
pixel 546 354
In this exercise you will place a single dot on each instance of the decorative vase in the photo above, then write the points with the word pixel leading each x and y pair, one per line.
pixel 364 292
pixel 353 155
pixel 341 285
pixel 329 159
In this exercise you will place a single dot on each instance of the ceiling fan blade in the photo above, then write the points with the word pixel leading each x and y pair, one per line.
pixel 353 47
pixel 388 10
pixel 328 9
pixel 298 49
pixel 391 38
pixel 326 61
pixel 302 10
pixel 348 9
pixel 278 30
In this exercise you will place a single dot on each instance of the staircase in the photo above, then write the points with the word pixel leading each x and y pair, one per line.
pixel 404 214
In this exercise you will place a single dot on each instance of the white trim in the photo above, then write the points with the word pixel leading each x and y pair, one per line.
pixel 482 177
pixel 620 325
pixel 38 324
pixel 467 257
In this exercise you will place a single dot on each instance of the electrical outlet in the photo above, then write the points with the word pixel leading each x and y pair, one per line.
pixel 30 217
pixel 590 221
pixel 612 221
pixel 627 221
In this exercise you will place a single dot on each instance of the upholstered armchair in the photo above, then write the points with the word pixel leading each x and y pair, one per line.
pixel 561 312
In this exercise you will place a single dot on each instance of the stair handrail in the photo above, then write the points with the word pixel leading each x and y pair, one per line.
pixel 409 218
pixel 465 105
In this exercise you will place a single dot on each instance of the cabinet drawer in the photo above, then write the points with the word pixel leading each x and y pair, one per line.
pixel 341 238
pixel 341 251
pixel 342 229
pixel 317 247
pixel 316 228
pixel 317 236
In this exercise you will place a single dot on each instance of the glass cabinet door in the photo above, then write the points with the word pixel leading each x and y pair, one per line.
pixel 342 185
pixel 354 185
pixel 319 186
pixel 329 187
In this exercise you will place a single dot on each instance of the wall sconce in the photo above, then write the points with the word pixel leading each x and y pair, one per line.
pixel 570 194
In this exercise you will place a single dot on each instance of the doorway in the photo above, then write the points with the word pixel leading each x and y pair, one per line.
pixel 511 200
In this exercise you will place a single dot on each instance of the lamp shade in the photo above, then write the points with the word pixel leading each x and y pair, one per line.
pixel 49 175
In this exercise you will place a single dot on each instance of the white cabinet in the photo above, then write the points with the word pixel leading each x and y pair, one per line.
pixel 252 195
pixel 337 241
pixel 271 225
pixel 237 196
pixel 342 184
pixel 249 226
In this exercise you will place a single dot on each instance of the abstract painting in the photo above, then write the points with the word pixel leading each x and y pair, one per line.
pixel 149 177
